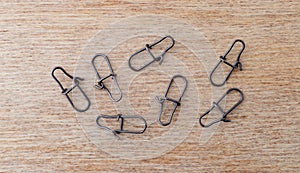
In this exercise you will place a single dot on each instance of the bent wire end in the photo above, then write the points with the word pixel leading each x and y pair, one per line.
pixel 104 127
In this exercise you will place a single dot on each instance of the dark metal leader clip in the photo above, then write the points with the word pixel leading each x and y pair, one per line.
pixel 225 113
pixel 176 102
pixel 121 130
pixel 237 64
pixel 66 91
pixel 148 48
pixel 112 75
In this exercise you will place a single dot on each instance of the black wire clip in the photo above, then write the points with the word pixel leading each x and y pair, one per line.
pixel 237 64
pixel 66 91
pixel 121 130
pixel 225 113
pixel 100 85
pixel 176 102
pixel 147 48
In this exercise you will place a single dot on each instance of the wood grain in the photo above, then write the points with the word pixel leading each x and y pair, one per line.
pixel 40 133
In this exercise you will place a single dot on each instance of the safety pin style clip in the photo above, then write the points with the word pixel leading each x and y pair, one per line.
pixel 237 64
pixel 66 91
pixel 225 113
pixel 148 48
pixel 121 130
pixel 100 85
pixel 175 102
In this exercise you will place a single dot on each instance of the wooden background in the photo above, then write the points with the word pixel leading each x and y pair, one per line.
pixel 37 134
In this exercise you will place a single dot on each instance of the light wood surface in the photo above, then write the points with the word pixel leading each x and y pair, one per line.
pixel 39 131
